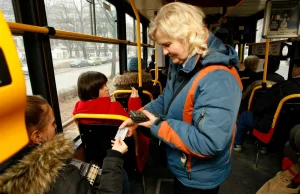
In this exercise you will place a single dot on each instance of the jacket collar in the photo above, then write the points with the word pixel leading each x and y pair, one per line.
pixel 218 53
pixel 38 170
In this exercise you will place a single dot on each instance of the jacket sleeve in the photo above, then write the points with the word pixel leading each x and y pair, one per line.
pixel 111 177
pixel 134 104
pixel 215 110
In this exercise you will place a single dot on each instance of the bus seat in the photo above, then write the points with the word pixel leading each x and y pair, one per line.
pixel 285 117
pixel 96 139
pixel 12 97
pixel 122 96
pixel 256 94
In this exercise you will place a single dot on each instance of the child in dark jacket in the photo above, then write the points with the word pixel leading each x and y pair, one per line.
pixel 43 166
pixel 95 98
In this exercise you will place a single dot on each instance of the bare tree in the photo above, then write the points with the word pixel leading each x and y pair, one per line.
pixel 70 15
pixel 109 26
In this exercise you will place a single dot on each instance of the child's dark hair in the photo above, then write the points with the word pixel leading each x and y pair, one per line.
pixel 89 83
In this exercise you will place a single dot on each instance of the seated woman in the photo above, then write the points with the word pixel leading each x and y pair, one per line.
pixel 130 78
pixel 95 98
pixel 44 165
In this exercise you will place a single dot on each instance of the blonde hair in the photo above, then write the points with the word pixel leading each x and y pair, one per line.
pixel 181 21
pixel 251 62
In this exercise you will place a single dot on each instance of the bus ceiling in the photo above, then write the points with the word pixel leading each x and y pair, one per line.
pixel 246 8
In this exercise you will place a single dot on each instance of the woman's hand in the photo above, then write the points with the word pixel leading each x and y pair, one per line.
pixel 130 125
pixel 134 93
pixel 151 117
pixel 119 145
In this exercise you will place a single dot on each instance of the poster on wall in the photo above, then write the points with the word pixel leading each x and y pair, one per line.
pixel 282 19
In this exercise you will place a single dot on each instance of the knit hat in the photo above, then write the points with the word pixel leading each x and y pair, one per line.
pixel 133 64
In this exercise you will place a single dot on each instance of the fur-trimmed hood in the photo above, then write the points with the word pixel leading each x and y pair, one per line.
pixel 131 78
pixel 38 170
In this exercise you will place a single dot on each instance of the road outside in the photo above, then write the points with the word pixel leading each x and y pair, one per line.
pixel 66 78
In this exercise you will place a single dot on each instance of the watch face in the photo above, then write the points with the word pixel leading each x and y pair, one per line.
pixel 285 51
pixel 5 78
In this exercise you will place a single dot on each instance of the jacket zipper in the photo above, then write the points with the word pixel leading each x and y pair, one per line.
pixel 189 167
pixel 201 116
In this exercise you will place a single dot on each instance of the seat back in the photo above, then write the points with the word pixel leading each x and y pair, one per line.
pixel 257 93
pixel 286 116
pixel 96 138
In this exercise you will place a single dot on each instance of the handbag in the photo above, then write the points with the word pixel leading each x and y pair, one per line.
pixel 282 183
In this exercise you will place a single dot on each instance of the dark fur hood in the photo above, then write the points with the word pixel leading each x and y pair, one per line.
pixel 38 170
pixel 131 78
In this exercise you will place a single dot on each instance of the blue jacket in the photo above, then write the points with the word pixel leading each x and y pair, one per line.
pixel 201 120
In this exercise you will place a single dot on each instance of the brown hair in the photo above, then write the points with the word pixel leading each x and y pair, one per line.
pixel 251 62
pixel 89 83
pixel 36 112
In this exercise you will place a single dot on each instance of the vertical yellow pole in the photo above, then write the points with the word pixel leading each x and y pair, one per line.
pixel 241 52
pixel 266 60
pixel 138 34
pixel 156 61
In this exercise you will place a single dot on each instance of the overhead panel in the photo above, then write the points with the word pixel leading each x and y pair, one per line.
pixel 209 3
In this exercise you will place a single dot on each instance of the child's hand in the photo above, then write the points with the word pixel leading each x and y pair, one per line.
pixel 119 145
pixel 134 93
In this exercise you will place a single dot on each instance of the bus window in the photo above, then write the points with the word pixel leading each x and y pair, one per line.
pixel 106 17
pixel 7 9
pixel 130 30
pixel 150 52
pixel 259 29
pixel 21 53
pixel 131 51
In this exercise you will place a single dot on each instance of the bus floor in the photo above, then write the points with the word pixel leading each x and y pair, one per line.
pixel 244 177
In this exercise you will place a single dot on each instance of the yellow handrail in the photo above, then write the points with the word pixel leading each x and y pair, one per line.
pixel 279 107
pixel 138 34
pixel 99 116
pixel 153 70
pixel 129 92
pixel 160 86
pixel 258 43
pixel 156 61
pixel 244 78
pixel 266 60
pixel 61 34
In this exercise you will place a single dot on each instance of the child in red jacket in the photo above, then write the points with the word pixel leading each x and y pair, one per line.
pixel 95 98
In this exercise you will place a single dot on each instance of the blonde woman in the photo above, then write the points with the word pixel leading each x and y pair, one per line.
pixel 198 108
